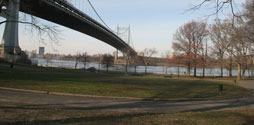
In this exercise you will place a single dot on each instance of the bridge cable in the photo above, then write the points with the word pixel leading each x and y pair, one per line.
pixel 98 15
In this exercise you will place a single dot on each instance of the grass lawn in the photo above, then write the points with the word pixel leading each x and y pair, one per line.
pixel 23 115
pixel 114 84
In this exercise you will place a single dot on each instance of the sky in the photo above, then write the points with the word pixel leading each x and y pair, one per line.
pixel 152 23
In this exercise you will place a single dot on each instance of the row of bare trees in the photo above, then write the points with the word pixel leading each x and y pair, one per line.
pixel 105 59
pixel 145 60
pixel 82 57
pixel 189 39
pixel 230 39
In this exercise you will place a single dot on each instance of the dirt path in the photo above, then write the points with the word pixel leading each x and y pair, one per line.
pixel 26 100
pixel 248 84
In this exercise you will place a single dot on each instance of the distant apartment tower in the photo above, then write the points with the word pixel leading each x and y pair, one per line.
pixel 41 51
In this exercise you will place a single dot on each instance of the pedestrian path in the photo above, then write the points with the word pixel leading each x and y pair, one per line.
pixel 28 100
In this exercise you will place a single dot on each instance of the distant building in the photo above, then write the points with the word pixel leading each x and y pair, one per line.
pixel 141 54
pixel 41 51
pixel 31 54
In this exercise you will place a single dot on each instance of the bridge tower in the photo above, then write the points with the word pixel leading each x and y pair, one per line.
pixel 125 34
pixel 9 46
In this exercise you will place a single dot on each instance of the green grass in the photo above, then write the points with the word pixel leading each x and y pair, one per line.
pixel 26 115
pixel 114 84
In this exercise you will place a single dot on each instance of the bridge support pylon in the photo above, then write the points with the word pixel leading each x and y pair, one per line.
pixel 9 47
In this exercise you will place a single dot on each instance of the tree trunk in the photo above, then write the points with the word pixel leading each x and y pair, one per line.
pixel 195 70
pixel 239 72
pixel 12 65
pixel 84 65
pixel 145 69
pixel 204 65
pixel 99 66
pixel 188 69
pixel 76 64
pixel 166 70
pixel 127 63
pixel 178 71
pixel 204 70
pixel 252 67
pixel 221 71
pixel 243 73
pixel 231 66
pixel 230 72
pixel 249 73
pixel 126 68
pixel 252 72
pixel 107 68
pixel 135 69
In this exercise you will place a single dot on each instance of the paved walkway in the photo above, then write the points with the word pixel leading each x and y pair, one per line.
pixel 26 100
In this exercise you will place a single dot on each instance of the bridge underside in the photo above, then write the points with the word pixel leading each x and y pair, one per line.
pixel 47 11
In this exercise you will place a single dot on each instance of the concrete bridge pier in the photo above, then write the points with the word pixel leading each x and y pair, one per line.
pixel 9 47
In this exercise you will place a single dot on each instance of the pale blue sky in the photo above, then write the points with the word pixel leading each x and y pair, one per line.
pixel 152 22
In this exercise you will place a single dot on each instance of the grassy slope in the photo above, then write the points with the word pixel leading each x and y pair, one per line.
pixel 102 84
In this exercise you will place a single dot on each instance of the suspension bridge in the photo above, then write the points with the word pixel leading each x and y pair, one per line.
pixel 79 15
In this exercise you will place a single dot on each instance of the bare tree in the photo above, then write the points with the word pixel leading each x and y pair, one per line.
pixel 233 37
pixel 239 45
pixel 136 60
pixel 168 60
pixel 48 58
pixel 188 40
pixel 220 40
pixel 127 59
pixel 81 57
pixel 252 65
pixel 178 59
pixel 147 58
pixel 248 19
pixel 237 33
pixel 107 60
pixel 217 6
pixel 77 59
pixel 204 57
pixel 84 57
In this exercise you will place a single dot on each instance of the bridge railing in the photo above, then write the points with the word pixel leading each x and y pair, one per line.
pixel 73 10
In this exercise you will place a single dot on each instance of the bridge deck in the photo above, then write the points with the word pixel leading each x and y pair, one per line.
pixel 59 12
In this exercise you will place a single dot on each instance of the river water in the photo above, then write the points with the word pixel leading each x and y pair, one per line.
pixel 140 69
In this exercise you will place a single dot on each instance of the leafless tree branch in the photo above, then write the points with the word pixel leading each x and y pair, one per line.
pixel 218 5
pixel 42 31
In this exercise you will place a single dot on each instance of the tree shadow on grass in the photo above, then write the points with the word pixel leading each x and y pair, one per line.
pixel 247 102
pixel 143 105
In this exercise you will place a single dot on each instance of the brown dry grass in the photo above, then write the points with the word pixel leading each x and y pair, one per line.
pixel 25 115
